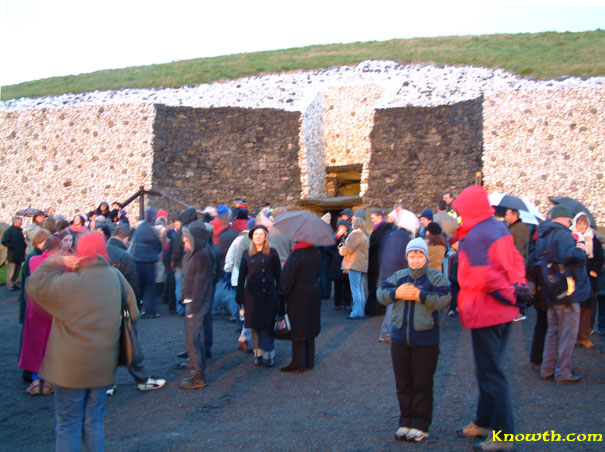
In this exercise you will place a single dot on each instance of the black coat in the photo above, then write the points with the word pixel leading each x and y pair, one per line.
pixel 257 289
pixel 393 256
pixel 121 259
pixel 199 269
pixel 377 239
pixel 14 240
pixel 301 293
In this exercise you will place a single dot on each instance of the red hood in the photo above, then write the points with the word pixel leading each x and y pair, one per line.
pixel 473 207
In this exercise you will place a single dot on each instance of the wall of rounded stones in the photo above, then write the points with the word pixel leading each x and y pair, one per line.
pixel 211 156
pixel 547 143
pixel 419 152
pixel 311 157
pixel 67 160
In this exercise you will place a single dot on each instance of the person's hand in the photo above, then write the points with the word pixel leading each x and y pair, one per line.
pixel 71 262
pixel 580 245
pixel 407 291
pixel 593 273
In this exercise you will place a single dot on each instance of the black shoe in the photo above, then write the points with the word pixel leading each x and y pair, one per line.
pixel 182 354
pixel 269 362
pixel 258 360
pixel 291 369
pixel 194 382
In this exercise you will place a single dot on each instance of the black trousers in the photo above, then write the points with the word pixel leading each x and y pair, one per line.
pixel 342 292
pixel 372 307
pixel 303 354
pixel 537 342
pixel 414 368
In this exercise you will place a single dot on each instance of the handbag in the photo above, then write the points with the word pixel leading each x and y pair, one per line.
pixel 129 349
pixel 282 327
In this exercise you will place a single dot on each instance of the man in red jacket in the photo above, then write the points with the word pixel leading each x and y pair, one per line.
pixel 489 270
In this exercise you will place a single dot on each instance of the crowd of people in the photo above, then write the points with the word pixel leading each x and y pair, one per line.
pixel 460 259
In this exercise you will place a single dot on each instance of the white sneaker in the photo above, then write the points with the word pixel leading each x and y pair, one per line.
pixel 111 390
pixel 151 383
pixel 416 435
pixel 401 433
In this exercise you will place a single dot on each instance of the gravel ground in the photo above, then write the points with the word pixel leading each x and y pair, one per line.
pixel 347 403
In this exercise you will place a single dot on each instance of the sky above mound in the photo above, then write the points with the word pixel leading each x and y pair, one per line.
pixel 63 37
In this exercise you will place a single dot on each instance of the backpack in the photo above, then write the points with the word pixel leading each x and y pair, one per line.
pixel 554 277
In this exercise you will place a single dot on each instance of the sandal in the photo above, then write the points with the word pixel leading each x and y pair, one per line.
pixel 34 388
pixel 47 388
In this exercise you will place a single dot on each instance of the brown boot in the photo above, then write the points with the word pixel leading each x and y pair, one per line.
pixel 472 430
pixel 193 382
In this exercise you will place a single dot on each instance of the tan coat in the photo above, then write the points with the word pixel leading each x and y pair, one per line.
pixel 82 349
pixel 356 251
pixel 436 256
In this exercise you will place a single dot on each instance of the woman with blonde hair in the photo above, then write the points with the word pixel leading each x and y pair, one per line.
pixel 356 254
pixel 257 290
pixel 594 263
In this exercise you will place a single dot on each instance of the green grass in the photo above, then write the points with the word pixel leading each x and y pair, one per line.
pixel 3 270
pixel 541 55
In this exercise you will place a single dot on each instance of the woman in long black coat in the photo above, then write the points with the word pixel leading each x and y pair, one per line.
pixel 301 294
pixel 257 284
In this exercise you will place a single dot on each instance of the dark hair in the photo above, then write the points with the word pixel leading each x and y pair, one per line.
pixel 60 225
pixel 121 231
pixel 52 243
pixel 448 192
pixel 515 211
pixel 442 205
pixel 435 239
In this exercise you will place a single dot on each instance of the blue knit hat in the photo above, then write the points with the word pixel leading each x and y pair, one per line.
pixel 251 223
pixel 222 210
pixel 428 213
pixel 417 244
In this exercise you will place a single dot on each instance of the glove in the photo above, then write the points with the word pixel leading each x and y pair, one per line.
pixel 523 294
pixel 228 285
pixel 228 277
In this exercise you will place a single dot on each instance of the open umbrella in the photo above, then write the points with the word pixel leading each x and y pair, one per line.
pixel 303 226
pixel 528 212
pixel 29 212
pixel 507 201
pixel 575 206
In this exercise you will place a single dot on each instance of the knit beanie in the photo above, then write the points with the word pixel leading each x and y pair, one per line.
pixel 560 211
pixel 222 210
pixel 417 244
pixel 428 213
pixel 434 228
pixel 251 223
pixel 342 223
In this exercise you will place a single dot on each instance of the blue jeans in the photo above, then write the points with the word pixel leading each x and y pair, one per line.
pixel 264 343
pixel 178 287
pixel 494 410
pixel 224 300
pixel 356 280
pixel 79 414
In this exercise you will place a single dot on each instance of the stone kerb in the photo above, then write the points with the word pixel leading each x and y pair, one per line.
pixel 547 143
pixel 67 160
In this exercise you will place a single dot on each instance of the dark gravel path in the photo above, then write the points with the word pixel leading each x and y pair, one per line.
pixel 347 403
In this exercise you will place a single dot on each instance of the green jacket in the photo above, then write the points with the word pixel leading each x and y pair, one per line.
pixel 82 350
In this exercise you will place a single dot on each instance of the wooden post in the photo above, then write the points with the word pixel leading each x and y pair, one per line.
pixel 141 203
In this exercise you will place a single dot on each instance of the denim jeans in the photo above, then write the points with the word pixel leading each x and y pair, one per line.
pixel 264 343
pixel 357 290
pixel 385 329
pixel 146 271
pixel 494 409
pixel 224 300
pixel 178 287
pixel 80 415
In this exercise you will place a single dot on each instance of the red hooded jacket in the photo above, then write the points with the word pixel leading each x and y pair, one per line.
pixel 489 264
